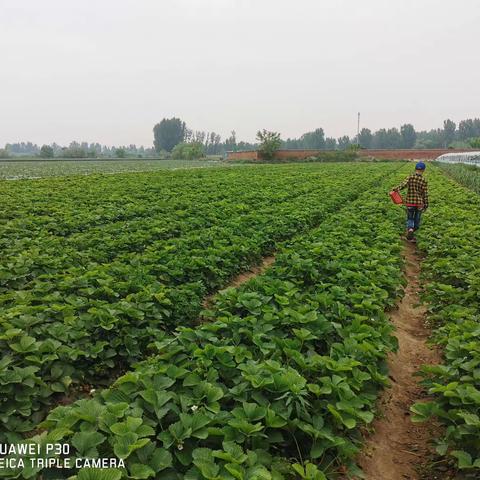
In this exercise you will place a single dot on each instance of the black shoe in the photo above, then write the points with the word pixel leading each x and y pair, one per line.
pixel 410 234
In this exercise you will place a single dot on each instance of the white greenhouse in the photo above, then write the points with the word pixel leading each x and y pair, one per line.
pixel 471 158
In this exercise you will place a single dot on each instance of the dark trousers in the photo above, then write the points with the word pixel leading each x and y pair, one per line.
pixel 413 217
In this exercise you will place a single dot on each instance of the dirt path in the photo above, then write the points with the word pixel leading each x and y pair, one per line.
pixel 242 278
pixel 398 448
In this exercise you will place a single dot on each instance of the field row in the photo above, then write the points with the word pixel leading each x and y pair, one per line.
pixel 110 223
pixel 74 322
pixel 468 175
pixel 278 383
pixel 23 169
pixel 451 239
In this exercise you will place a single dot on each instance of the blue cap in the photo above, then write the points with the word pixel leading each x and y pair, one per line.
pixel 420 166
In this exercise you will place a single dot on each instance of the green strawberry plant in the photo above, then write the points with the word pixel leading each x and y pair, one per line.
pixel 279 377
pixel 96 272
pixel 452 270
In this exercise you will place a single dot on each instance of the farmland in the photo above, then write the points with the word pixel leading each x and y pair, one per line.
pixel 452 268
pixel 468 175
pixel 108 345
pixel 18 169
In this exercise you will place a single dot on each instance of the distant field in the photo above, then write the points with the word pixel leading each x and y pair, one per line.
pixel 13 170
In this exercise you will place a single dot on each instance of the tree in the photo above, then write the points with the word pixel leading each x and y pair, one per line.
pixel 246 146
pixel 23 148
pixel 474 142
pixel 330 143
pixel 344 142
pixel 168 133
pixel 46 151
pixel 212 143
pixel 188 151
pixel 291 143
pixel 74 152
pixel 197 137
pixel 314 140
pixel 269 143
pixel 476 127
pixel 449 129
pixel 394 138
pixel 120 153
pixel 409 136
pixel 4 153
pixel 231 142
pixel 365 138
pixel 380 139
pixel 430 139
pixel 466 129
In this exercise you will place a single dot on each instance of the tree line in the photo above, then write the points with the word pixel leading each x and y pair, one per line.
pixel 172 137
pixel 464 135
pixel 75 150
pixel 172 132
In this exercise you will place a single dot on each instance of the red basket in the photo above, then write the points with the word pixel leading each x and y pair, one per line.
pixel 396 197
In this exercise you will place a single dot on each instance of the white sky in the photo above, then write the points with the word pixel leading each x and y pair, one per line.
pixel 107 70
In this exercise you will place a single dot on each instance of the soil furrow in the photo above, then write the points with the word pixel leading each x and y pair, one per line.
pixel 241 278
pixel 399 449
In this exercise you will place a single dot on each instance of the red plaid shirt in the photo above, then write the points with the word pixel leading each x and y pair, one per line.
pixel 417 193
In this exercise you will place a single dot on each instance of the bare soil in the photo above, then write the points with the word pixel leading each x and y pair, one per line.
pixel 242 278
pixel 399 449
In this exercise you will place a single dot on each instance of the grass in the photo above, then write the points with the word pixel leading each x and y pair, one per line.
pixel 467 175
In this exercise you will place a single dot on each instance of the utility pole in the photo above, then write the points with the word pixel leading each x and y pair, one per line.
pixel 358 129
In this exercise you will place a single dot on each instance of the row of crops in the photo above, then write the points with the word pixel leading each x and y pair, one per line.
pixel 451 240
pixel 276 381
pixel 468 175
pixel 94 272
pixel 104 279
pixel 20 169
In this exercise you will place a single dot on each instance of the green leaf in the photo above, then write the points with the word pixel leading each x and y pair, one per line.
pixel 464 458
pixel 140 471
pixel 86 442
pixel 124 445
pixel 422 411
pixel 470 418
pixel 349 422
pixel 202 459
pixel 161 459
pixel 99 474
pixel 317 450
pixel 236 471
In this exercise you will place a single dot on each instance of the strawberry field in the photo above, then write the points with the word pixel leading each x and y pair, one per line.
pixel 106 344
pixel 452 268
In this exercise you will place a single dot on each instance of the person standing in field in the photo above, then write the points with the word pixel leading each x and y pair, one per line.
pixel 417 198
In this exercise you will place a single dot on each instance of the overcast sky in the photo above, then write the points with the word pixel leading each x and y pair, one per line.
pixel 107 70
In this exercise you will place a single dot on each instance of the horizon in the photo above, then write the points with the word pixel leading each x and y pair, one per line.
pixel 80 141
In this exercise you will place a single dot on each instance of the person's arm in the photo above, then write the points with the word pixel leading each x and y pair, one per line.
pixel 425 196
pixel 402 185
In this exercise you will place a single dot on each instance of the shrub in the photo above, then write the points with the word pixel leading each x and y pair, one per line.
pixel 46 152
pixel 188 151
pixel 120 153
pixel 269 143
pixel 74 152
